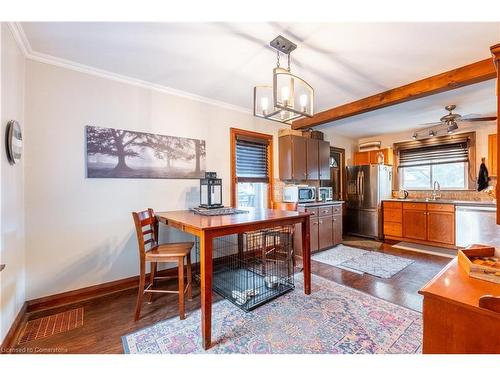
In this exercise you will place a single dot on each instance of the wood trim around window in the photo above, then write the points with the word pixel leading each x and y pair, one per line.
pixel 343 177
pixel 470 137
pixel 268 138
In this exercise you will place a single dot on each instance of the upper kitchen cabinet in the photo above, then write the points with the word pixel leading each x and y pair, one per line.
pixel 312 157
pixel 371 157
pixel 292 157
pixel 303 158
pixel 492 154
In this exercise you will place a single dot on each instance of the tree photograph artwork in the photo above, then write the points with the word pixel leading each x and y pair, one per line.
pixel 116 153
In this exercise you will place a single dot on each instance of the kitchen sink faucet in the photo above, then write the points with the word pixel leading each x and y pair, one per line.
pixel 436 195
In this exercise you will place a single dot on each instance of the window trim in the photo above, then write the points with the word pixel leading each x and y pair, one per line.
pixel 268 138
pixel 470 137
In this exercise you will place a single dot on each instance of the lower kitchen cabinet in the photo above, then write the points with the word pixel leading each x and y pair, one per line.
pixel 314 234
pixel 337 229
pixel 325 227
pixel 441 227
pixel 426 223
pixel 325 232
pixel 415 221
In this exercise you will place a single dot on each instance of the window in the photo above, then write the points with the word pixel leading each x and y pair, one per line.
pixel 251 168
pixel 443 159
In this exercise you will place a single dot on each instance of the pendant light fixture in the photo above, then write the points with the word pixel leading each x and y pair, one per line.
pixel 290 97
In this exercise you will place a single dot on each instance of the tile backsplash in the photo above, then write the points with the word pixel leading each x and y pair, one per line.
pixel 461 195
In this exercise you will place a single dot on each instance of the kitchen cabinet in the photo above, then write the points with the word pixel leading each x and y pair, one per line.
pixel 312 157
pixel 314 235
pixel 415 221
pixel 325 227
pixel 302 158
pixel 441 223
pixel 325 232
pixel 426 223
pixel 293 163
pixel 361 158
pixel 370 157
pixel 492 155
pixel 337 229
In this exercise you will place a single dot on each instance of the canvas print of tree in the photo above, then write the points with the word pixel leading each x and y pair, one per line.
pixel 116 153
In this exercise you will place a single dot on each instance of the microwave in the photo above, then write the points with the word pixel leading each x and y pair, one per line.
pixel 325 193
pixel 299 194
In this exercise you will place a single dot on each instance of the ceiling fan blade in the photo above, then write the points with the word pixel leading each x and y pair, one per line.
pixel 476 117
pixel 431 124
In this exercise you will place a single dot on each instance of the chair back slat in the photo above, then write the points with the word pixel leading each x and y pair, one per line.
pixel 146 227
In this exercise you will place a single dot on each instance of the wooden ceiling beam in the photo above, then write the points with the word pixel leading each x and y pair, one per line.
pixel 466 75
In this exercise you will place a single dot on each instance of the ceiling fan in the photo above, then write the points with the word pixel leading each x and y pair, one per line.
pixel 451 120
pixel 455 117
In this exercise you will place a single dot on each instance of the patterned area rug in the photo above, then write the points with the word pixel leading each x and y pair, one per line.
pixel 333 319
pixel 337 255
pixel 378 264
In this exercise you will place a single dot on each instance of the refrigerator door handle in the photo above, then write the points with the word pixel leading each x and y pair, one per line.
pixel 358 184
pixel 361 185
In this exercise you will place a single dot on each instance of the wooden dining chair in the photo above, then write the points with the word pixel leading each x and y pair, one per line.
pixel 146 226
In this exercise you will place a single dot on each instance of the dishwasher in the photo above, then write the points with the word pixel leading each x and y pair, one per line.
pixel 476 224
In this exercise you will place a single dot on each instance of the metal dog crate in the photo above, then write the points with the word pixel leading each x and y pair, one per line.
pixel 253 268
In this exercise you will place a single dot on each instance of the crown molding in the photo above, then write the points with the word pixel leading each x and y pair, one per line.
pixel 20 38
pixel 25 46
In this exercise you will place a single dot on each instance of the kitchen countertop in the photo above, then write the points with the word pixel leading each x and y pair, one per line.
pixel 445 201
pixel 314 204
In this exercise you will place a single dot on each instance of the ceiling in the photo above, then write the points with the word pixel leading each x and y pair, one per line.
pixel 342 61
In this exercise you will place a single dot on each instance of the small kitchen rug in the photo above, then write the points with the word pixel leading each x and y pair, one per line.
pixel 362 243
pixel 337 255
pixel 332 319
pixel 377 264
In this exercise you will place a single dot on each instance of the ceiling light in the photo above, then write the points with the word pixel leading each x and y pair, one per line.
pixel 452 126
pixel 290 97
pixel 432 133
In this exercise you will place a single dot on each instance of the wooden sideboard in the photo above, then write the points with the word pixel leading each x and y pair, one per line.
pixel 425 223
pixel 453 321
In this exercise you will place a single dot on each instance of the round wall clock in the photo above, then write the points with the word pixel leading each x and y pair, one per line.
pixel 14 142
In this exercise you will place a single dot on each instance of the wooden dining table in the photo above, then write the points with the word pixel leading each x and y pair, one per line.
pixel 206 228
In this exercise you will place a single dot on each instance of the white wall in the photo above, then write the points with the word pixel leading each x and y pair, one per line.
pixel 349 144
pixel 79 231
pixel 12 247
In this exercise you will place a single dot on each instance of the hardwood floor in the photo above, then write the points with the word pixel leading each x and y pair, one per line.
pixel 109 317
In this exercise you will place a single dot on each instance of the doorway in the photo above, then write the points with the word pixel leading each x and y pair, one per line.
pixel 337 172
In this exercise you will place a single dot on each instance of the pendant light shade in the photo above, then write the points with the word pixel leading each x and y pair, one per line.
pixel 290 97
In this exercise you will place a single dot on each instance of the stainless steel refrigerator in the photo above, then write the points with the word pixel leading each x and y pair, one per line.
pixel 367 186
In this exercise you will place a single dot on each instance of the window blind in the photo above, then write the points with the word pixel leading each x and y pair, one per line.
pixel 251 161
pixel 432 155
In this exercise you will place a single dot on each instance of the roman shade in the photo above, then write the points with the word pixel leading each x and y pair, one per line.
pixel 437 154
pixel 251 160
